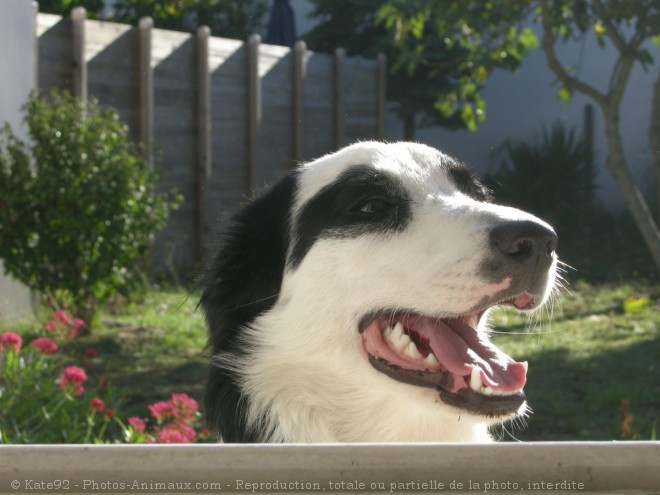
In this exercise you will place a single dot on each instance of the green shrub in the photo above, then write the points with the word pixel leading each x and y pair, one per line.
pixel 77 208
pixel 551 177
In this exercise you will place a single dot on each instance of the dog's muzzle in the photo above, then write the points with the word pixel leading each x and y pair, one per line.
pixel 454 354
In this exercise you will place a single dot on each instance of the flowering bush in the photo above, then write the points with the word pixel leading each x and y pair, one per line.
pixel 173 423
pixel 49 397
pixel 43 395
pixel 11 342
pixel 44 345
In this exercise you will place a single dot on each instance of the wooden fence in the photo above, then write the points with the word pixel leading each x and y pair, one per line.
pixel 218 117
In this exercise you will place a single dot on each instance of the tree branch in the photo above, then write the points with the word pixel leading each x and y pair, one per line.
pixel 610 29
pixel 548 44
pixel 619 79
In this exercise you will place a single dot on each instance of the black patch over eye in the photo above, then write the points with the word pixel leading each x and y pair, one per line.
pixel 361 201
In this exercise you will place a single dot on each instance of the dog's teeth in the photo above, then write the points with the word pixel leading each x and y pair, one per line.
pixel 403 342
pixel 487 391
pixel 475 380
pixel 398 339
pixel 387 331
pixel 412 351
pixel 526 365
pixel 431 360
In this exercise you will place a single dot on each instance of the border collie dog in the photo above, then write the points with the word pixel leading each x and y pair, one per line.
pixel 349 303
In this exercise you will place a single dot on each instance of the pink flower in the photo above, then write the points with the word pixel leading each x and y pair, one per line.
pixel 91 353
pixel 138 424
pixel 162 410
pixel 10 341
pixel 72 333
pixel 97 404
pixel 77 323
pixel 110 413
pixel 50 326
pixel 73 376
pixel 63 316
pixel 185 408
pixel 176 434
pixel 44 345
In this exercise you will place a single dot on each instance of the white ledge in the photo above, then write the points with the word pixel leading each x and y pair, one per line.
pixel 566 467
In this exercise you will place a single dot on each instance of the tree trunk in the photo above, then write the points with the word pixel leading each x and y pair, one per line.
pixel 616 164
pixel 409 127
pixel 654 144
pixel 609 104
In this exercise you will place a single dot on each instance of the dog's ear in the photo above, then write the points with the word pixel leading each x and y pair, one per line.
pixel 244 279
pixel 242 282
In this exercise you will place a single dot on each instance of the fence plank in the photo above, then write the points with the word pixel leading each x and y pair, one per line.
pixel 79 88
pixel 319 105
pixel 229 121
pixel 203 139
pixel 339 130
pixel 253 110
pixel 35 46
pixel 146 85
pixel 175 138
pixel 299 52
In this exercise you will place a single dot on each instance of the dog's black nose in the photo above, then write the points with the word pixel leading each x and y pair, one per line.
pixel 524 241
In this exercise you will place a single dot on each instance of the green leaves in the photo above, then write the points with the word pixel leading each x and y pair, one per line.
pixel 448 50
pixel 565 95
pixel 633 305
pixel 83 212
pixel 528 39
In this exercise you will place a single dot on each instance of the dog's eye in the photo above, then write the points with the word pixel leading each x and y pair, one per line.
pixel 371 207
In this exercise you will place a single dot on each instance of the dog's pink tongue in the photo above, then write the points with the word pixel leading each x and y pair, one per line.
pixel 459 348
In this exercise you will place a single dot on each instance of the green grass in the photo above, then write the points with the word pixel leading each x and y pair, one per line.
pixel 584 361
pixel 151 348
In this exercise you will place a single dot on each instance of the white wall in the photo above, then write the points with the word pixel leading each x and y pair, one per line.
pixel 17 76
pixel 518 105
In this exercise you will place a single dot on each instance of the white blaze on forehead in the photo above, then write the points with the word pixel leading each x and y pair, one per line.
pixel 419 166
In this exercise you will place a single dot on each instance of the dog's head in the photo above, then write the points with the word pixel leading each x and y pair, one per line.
pixel 348 302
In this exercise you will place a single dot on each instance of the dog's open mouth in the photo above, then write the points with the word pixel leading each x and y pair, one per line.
pixel 450 355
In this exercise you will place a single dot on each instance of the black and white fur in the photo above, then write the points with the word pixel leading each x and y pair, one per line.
pixel 370 230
